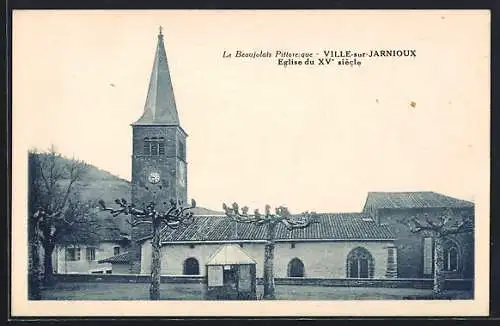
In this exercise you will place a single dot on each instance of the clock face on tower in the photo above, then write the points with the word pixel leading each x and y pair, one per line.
pixel 154 177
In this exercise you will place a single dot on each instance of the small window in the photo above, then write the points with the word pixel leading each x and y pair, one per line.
pixel 292 245
pixel 191 246
pixel 109 271
pixel 72 254
pixel 116 251
pixel 90 253
pixel 241 245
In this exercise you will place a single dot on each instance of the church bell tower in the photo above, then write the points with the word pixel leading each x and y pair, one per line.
pixel 159 165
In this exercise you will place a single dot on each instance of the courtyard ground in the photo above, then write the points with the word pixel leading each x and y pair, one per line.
pixel 181 291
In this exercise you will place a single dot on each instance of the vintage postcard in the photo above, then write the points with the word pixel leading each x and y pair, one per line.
pixel 250 163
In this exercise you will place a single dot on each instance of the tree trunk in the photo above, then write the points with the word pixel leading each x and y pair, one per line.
pixel 269 289
pixel 34 273
pixel 438 266
pixel 48 269
pixel 154 290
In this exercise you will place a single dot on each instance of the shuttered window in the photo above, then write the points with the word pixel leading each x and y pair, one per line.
pixel 147 146
pixel 72 254
pixel 428 265
pixel 90 253
pixel 161 146
pixel 154 146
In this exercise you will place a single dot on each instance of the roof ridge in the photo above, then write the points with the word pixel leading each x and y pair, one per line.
pixel 412 199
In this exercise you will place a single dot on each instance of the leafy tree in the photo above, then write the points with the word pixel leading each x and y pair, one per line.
pixel 281 215
pixel 56 213
pixel 175 216
pixel 439 228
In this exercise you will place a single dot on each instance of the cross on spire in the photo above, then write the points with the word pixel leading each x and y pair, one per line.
pixel 161 28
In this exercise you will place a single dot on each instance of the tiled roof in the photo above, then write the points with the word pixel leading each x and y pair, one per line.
pixel 125 257
pixel 338 226
pixel 424 199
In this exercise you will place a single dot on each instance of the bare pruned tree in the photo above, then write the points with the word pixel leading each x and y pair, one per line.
pixel 282 216
pixel 175 216
pixel 447 223
pixel 56 212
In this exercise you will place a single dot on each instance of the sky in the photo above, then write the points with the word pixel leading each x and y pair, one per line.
pixel 307 137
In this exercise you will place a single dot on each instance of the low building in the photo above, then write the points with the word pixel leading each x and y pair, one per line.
pixel 341 245
pixel 120 264
pixel 85 258
pixel 415 251
pixel 376 243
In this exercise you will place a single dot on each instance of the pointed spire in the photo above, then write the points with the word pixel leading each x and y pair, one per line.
pixel 160 105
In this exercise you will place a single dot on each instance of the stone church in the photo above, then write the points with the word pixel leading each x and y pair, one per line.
pixel 370 244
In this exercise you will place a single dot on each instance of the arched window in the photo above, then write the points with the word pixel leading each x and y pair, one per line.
pixel 191 267
pixel 295 268
pixel 360 263
pixel 161 146
pixel 147 146
pixel 154 146
pixel 451 256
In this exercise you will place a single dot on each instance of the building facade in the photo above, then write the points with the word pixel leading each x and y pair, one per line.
pixel 335 259
pixel 87 258
pixel 84 259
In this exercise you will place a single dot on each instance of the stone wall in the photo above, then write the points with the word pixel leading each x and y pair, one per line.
pixel 455 284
